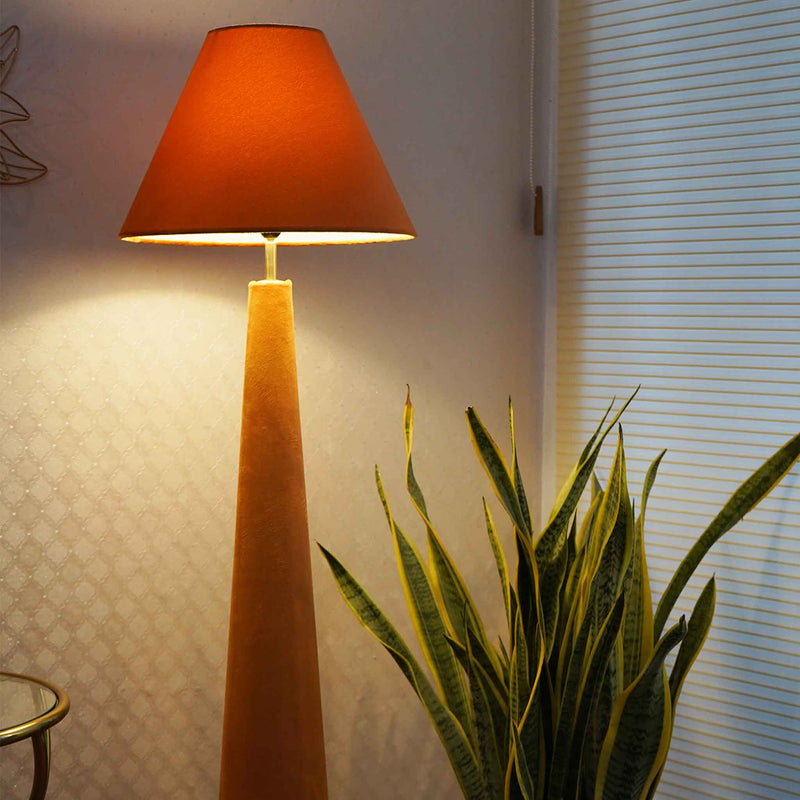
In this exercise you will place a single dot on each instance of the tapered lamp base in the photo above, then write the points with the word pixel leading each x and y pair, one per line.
pixel 272 743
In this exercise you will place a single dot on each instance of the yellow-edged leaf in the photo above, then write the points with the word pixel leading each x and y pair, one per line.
pixel 639 731
pixel 457 746
pixel 743 500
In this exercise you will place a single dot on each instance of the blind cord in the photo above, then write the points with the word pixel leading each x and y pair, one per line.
pixel 532 98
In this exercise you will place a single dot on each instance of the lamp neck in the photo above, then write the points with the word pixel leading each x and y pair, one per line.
pixel 270 256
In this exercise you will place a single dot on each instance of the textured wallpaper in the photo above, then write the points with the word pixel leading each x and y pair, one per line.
pixel 118 452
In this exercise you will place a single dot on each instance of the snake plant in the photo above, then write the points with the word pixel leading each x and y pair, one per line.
pixel 576 703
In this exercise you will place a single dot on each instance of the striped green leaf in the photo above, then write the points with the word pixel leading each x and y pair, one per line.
pixel 609 511
pixel 493 462
pixel 431 629
pixel 518 485
pixel 649 480
pixel 637 628
pixel 500 560
pixel 451 733
pixel 574 673
pixel 617 529
pixel 527 781
pixel 490 724
pixel 603 705
pixel 639 731
pixel 638 625
pixel 496 684
pixel 414 490
pixel 551 579
pixel 696 634
pixel 519 672
pixel 574 719
pixel 511 790
pixel 744 499
pixel 589 693
pixel 550 549
pixel 428 619
pixel 572 490
pixel 586 524
pixel 450 589
pixel 531 727
pixel 528 586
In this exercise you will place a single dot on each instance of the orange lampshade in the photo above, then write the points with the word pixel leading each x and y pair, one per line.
pixel 266 137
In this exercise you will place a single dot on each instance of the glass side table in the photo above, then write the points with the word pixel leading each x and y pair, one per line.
pixel 29 707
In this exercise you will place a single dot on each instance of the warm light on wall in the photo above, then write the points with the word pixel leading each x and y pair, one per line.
pixel 266 146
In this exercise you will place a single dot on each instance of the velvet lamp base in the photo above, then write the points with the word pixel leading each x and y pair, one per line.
pixel 272 743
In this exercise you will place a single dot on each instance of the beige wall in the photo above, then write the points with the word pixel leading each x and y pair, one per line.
pixel 120 369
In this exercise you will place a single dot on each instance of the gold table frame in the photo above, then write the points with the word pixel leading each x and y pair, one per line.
pixel 37 730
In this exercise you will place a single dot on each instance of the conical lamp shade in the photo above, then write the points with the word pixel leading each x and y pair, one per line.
pixel 266 137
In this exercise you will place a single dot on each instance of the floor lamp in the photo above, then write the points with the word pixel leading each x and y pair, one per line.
pixel 267 147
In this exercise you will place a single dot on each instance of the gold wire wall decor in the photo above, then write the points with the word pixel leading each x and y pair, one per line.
pixel 16 167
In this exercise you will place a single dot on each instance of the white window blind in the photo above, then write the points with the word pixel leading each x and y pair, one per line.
pixel 679 268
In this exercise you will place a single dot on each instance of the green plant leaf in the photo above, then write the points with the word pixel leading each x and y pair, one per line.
pixel 527 782
pixel 589 446
pixel 490 724
pixel 597 487
pixel 502 564
pixel 743 500
pixel 696 634
pixel 637 627
pixel 429 619
pixel 519 672
pixel 597 725
pixel 505 660
pixel 456 744
pixel 585 674
pixel 495 685
pixel 616 528
pixel 597 531
pixel 567 703
pixel 551 578
pixel 411 482
pixel 639 731
pixel 431 629
pixel 565 617
pixel 493 462
pixel 512 790
pixel 589 693
pixel 649 480
pixel 608 513
pixel 528 594
pixel 550 548
pixel 566 646
pixel 573 487
pixel 451 591
pixel 586 525
pixel 453 594
pixel 531 725
pixel 518 485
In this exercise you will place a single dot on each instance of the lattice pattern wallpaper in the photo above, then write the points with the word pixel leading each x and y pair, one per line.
pixel 117 534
